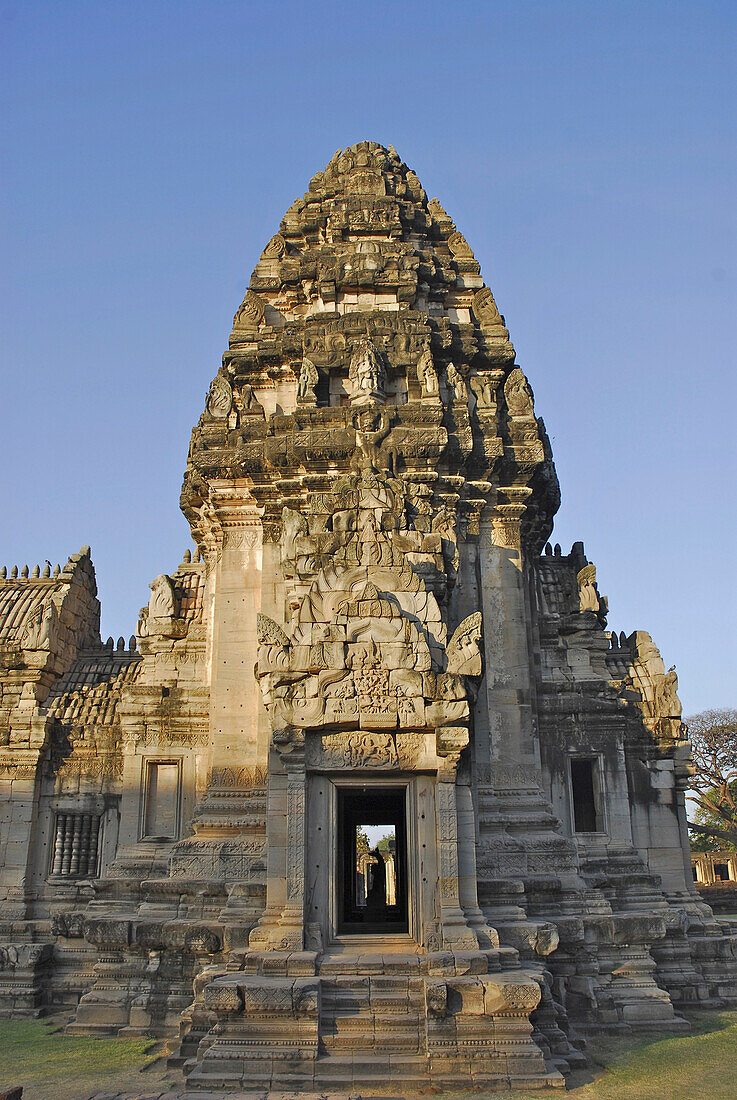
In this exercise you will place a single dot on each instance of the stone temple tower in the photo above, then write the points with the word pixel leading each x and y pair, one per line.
pixel 374 796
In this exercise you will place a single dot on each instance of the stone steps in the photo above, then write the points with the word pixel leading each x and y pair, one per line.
pixel 384 1015
pixel 345 1071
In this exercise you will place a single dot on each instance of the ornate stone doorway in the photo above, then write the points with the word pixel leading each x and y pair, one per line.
pixel 372 870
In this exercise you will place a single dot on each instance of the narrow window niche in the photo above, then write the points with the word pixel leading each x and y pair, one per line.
pixel 162 785
pixel 588 816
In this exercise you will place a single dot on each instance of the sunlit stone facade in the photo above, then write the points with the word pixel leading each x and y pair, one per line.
pixel 371 632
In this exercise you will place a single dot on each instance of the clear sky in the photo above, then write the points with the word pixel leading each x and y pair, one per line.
pixel 587 152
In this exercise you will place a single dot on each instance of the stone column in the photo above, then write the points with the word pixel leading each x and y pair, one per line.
pixel 507 658
pixel 18 819
pixel 519 833
pixel 233 545
pixel 455 930
pixel 282 926
pixel 230 531
pixel 467 874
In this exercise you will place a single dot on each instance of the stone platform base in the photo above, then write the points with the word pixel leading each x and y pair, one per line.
pixel 382 1025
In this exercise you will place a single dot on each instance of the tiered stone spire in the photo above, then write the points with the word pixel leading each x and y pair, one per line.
pixel 369 296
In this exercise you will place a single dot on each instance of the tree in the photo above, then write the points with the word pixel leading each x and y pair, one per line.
pixel 362 841
pixel 713 737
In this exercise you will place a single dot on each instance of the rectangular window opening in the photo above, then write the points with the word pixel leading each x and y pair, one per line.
pixel 586 795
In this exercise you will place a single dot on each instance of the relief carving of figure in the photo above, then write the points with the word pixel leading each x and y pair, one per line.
pixel 366 372
pixel 518 394
pixel 371 429
pixel 162 604
pixel 370 548
pixel 427 376
pixel 482 390
pixel 247 403
pixel 296 546
pixel 456 383
pixel 308 378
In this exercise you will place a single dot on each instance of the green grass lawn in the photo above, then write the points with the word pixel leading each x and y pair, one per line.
pixel 700 1066
pixel 50 1066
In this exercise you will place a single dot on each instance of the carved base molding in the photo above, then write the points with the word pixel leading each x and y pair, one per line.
pixel 355 1023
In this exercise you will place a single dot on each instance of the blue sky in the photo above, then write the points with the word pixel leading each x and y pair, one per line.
pixel 586 150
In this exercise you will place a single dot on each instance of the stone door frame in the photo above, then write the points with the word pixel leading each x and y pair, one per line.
pixel 323 825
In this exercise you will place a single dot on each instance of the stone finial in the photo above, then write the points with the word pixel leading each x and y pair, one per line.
pixel 588 597
pixel 463 653
pixel 220 398
pixel 187 557
pixel 36 572
pixel 275 249
pixel 459 246
pixel 436 209
pixel 162 604
pixel 40 629
pixel 270 633
pixel 484 308
pixel 250 313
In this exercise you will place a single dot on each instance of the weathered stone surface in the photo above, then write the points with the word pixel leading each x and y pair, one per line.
pixel 369 626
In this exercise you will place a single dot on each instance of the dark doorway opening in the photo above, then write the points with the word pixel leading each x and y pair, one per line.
pixel 584 786
pixel 372 860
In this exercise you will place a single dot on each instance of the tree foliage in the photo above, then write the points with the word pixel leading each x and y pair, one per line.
pixel 713 789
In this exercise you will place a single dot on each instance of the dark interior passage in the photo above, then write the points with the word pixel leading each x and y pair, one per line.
pixel 372 860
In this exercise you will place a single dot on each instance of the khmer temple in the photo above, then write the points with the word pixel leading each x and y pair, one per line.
pixel 372 794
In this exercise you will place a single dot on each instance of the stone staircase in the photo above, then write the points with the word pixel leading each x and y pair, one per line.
pixel 372 1028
